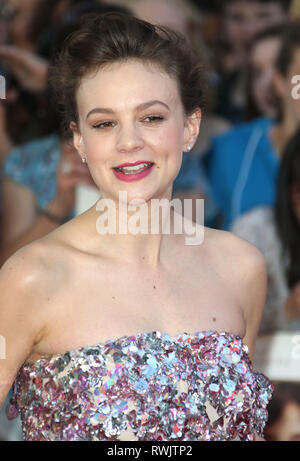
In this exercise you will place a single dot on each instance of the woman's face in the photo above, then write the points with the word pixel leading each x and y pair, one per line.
pixel 19 25
pixel 262 66
pixel 244 19
pixel 129 113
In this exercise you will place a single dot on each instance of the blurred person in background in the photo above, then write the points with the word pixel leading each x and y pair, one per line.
pixel 39 178
pixel 284 413
pixel 27 115
pixel 275 231
pixel 242 20
pixel 20 15
pixel 263 54
pixel 242 165
pixel 211 11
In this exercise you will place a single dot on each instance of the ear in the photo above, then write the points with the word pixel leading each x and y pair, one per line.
pixel 191 128
pixel 77 138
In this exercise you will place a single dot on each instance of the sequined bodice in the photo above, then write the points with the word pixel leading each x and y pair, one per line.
pixel 151 386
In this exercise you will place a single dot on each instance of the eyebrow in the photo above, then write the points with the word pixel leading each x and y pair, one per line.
pixel 144 105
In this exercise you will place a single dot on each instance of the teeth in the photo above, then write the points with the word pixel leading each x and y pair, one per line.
pixel 134 169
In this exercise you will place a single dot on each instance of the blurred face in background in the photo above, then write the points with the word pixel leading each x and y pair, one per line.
pixel 164 12
pixel 262 62
pixel 20 22
pixel 243 19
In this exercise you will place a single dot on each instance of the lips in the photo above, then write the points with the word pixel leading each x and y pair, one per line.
pixel 133 171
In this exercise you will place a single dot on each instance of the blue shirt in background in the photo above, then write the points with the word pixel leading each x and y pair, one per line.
pixel 34 165
pixel 242 168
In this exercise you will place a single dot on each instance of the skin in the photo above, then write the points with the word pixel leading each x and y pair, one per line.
pixel 262 64
pixel 76 287
pixel 21 223
pixel 161 12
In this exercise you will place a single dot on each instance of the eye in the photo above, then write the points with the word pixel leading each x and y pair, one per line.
pixel 154 118
pixel 103 124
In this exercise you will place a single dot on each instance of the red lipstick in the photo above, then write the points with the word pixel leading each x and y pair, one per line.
pixel 130 174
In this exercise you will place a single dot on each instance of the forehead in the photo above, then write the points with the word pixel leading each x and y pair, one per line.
pixel 124 84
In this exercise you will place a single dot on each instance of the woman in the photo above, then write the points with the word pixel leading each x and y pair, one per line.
pixel 275 231
pixel 132 93
pixel 243 163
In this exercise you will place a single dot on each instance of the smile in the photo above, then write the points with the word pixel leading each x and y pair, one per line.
pixel 133 172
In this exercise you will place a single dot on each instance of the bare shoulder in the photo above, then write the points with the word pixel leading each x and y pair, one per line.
pixel 24 267
pixel 230 250
pixel 31 271
pixel 241 265
pixel 22 321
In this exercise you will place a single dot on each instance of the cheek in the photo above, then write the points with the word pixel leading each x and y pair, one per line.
pixel 166 141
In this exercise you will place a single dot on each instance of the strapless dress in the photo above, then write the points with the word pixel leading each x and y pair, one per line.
pixel 151 386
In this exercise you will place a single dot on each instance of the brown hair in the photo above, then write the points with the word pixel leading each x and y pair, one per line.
pixel 290 43
pixel 113 37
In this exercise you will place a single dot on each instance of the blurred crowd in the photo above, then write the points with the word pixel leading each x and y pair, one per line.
pixel 245 163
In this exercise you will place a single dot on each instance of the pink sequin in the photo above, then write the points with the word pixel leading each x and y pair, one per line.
pixel 151 386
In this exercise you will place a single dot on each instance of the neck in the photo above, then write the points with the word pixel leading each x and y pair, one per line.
pixel 132 234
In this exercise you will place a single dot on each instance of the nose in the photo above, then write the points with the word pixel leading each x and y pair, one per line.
pixel 129 139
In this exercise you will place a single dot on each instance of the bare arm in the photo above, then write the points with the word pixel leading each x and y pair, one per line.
pixel 254 284
pixel 21 225
pixel 20 320
pixel 255 278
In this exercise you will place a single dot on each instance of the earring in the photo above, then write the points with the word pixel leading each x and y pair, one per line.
pixel 188 147
pixel 83 159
